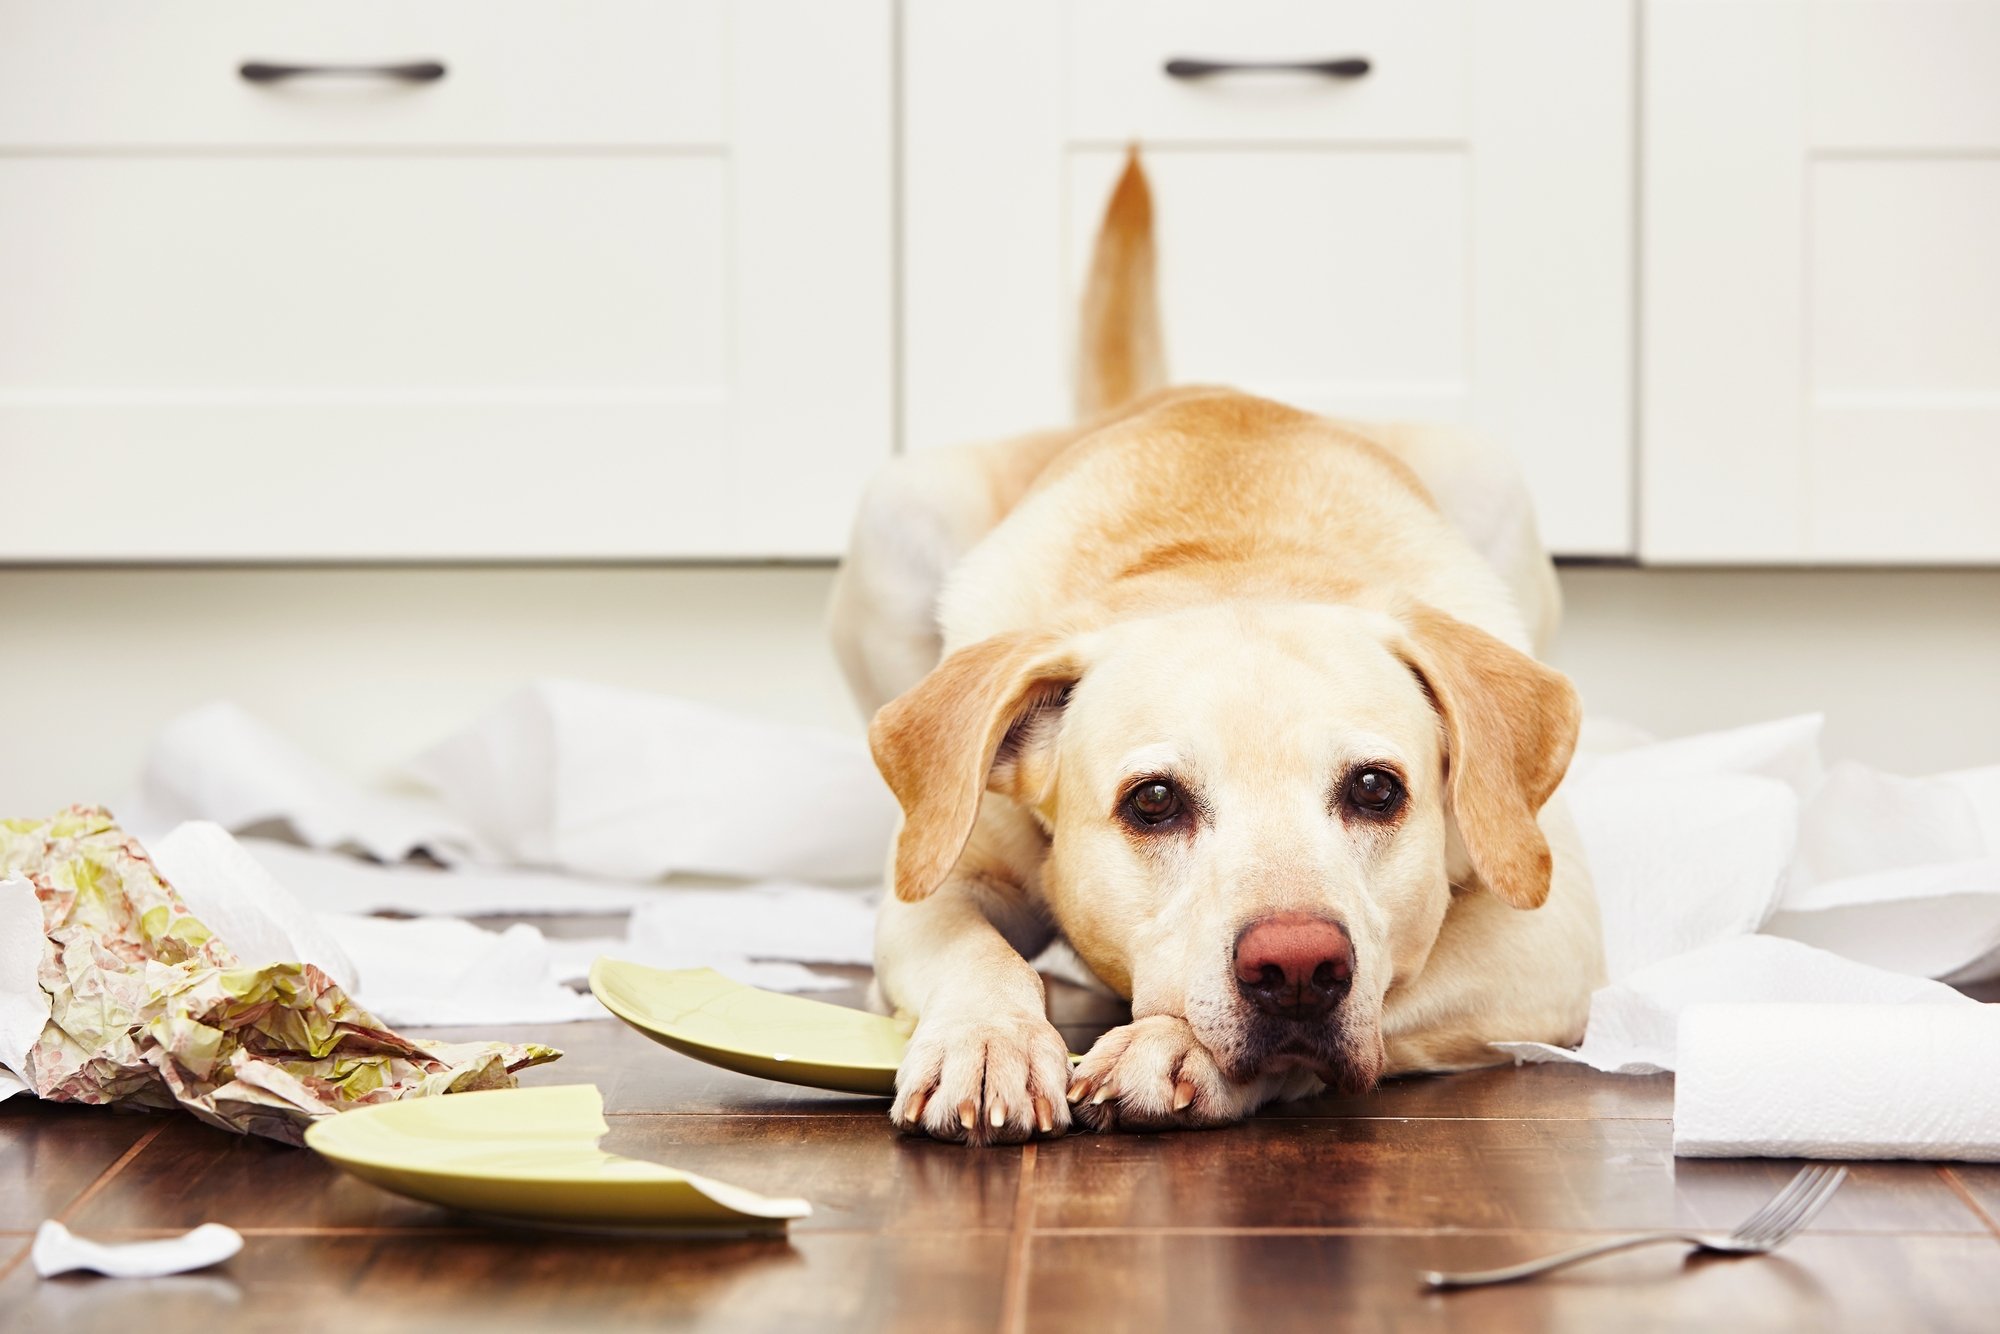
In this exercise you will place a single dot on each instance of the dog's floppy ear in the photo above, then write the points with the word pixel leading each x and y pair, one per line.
pixel 1510 725
pixel 980 720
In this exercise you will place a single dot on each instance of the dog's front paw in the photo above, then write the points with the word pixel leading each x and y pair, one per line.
pixel 983 1081
pixel 1154 1074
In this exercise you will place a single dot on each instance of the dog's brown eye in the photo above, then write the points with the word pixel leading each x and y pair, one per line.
pixel 1374 792
pixel 1154 801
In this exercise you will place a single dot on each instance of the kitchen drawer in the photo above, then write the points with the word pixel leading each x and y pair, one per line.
pixel 1415 89
pixel 318 273
pixel 622 292
pixel 118 74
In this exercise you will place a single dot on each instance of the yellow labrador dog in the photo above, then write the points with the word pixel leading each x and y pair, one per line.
pixel 1239 701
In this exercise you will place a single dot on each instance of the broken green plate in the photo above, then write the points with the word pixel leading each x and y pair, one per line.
pixel 531 1155
pixel 701 1013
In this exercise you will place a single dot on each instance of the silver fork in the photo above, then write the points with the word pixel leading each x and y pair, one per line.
pixel 1781 1219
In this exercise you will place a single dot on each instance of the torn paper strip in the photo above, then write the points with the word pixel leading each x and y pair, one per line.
pixel 57 1250
pixel 24 1006
pixel 563 776
pixel 629 785
pixel 1634 1022
pixel 219 763
pixel 446 971
pixel 238 900
pixel 334 882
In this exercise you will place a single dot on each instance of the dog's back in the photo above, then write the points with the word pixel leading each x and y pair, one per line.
pixel 931 521
pixel 1167 496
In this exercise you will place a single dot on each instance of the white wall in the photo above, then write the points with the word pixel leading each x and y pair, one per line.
pixel 1904 663
pixel 364 666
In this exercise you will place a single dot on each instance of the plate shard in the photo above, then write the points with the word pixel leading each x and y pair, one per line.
pixel 532 1155
pixel 703 1014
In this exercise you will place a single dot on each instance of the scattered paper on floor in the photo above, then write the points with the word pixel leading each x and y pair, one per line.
pixel 564 776
pixel 145 1005
pixel 57 1250
pixel 1734 867
pixel 571 798
pixel 631 785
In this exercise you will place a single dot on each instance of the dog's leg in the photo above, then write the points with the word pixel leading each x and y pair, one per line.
pixel 1153 1074
pixel 984 1065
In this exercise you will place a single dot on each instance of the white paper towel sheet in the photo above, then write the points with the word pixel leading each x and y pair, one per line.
pixel 435 970
pixel 1839 1081
pixel 623 784
pixel 218 763
pixel 24 1006
pixel 444 971
pixel 1634 1022
pixel 237 899
pixel 335 882
pixel 1735 867
pixel 562 776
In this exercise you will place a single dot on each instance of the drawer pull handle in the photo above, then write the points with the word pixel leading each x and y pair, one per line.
pixel 1343 67
pixel 414 71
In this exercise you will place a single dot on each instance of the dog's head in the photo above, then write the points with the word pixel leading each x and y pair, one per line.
pixel 1256 815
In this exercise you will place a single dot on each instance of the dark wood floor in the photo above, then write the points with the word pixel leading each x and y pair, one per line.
pixel 1315 1217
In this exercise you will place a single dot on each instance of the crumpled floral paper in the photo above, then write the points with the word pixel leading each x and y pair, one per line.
pixel 148 1008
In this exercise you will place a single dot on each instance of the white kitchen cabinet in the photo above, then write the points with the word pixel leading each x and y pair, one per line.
pixel 1448 237
pixel 667 279
pixel 1821 281
pixel 618 285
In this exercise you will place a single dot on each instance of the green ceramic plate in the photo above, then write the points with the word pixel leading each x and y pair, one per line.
pixel 705 1015
pixel 531 1155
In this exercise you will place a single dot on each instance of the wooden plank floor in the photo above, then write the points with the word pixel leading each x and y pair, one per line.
pixel 1315 1217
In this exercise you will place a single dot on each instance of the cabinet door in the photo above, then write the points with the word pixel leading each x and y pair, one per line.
pixel 1446 238
pixel 617 286
pixel 1821 281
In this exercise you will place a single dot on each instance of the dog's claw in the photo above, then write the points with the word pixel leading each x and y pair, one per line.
pixel 1153 1074
pixel 987 1082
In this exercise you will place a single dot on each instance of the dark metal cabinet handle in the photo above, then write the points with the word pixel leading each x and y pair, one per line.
pixel 414 71
pixel 1344 67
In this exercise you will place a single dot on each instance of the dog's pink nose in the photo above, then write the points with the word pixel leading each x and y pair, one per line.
pixel 1294 964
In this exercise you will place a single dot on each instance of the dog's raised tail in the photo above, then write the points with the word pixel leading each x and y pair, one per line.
pixel 1120 355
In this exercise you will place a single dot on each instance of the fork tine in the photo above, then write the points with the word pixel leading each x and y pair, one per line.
pixel 1780 1227
pixel 1777 1223
pixel 1777 1220
pixel 1752 1228
pixel 1805 1210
